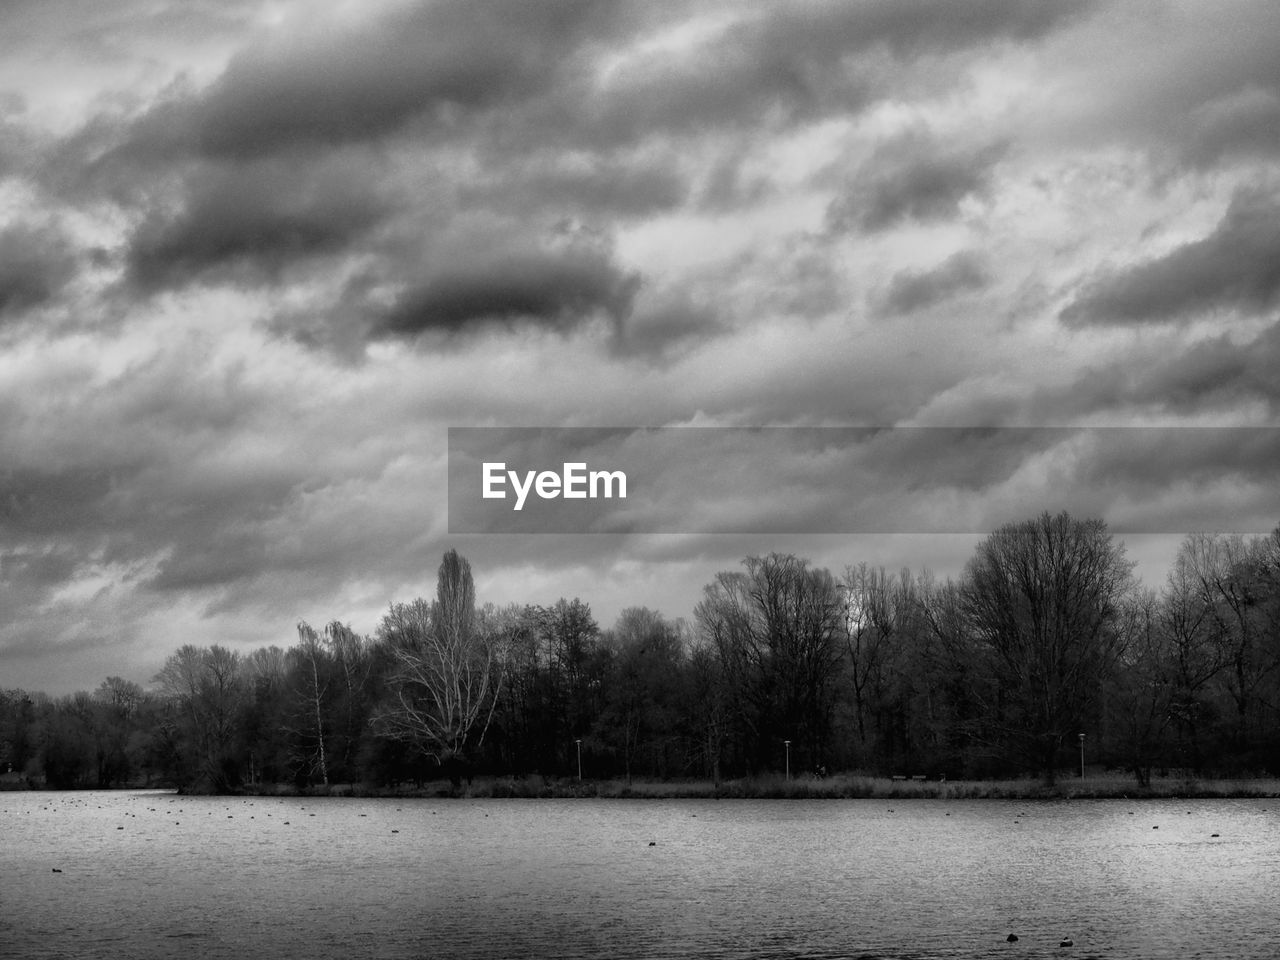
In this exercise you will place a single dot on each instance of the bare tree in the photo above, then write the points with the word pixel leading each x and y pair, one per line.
pixel 312 662
pixel 1142 688
pixel 1231 578
pixel 206 686
pixel 444 683
pixel 963 673
pixel 1196 649
pixel 646 687
pixel 1045 596
pixel 349 652
pixel 868 623
pixel 122 697
pixel 776 629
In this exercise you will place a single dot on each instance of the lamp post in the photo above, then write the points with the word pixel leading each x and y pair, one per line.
pixel 1082 756
pixel 787 744
pixel 579 743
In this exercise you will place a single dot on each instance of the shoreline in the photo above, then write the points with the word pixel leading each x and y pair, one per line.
pixel 839 787
pixel 836 787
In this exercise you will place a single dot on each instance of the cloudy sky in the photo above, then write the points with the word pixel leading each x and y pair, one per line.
pixel 257 256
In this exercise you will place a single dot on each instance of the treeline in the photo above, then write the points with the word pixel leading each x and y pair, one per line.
pixel 1045 636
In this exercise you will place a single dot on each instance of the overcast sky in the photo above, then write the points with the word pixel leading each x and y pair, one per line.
pixel 256 256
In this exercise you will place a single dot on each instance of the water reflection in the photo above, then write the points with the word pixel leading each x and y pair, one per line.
pixel 155 875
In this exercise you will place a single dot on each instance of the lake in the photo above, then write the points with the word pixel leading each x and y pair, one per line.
pixel 150 874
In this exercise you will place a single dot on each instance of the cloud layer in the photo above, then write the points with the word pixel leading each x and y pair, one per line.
pixel 256 259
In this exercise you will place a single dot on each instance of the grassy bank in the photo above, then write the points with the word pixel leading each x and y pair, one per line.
pixel 840 787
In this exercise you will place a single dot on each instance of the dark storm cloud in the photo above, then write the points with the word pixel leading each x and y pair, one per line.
pixel 335 83
pixel 207 517
pixel 1237 267
pixel 207 527
pixel 727 185
pixel 1217 101
pixel 1243 124
pixel 26 569
pixel 512 110
pixel 1216 372
pixel 151 474
pixel 669 326
pixel 551 288
pixel 914 177
pixel 259 216
pixel 440 68
pixel 42 503
pixel 1136 460
pixel 226 558
pixel 35 263
pixel 16 143
pixel 621 186
pixel 910 290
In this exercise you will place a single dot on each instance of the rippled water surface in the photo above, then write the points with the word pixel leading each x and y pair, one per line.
pixel 148 875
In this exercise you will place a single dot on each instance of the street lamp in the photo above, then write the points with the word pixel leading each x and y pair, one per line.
pixel 787 744
pixel 1082 756
pixel 579 743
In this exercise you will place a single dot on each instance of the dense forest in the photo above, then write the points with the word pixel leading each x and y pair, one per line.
pixel 1046 635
